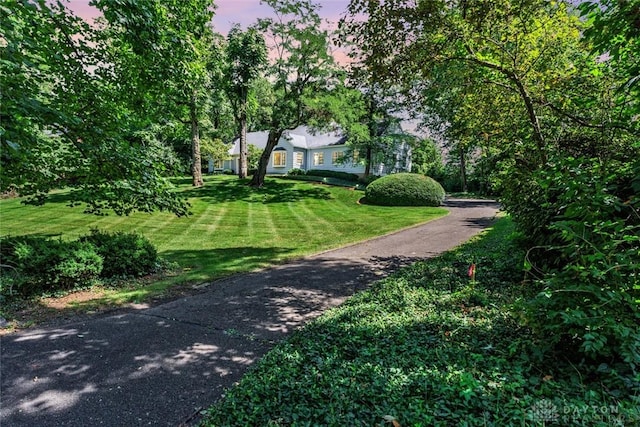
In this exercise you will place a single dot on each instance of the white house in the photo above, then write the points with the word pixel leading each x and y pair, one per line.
pixel 304 149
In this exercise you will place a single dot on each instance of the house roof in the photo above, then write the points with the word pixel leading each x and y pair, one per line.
pixel 300 137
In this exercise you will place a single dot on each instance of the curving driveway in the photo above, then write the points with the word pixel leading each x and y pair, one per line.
pixel 161 365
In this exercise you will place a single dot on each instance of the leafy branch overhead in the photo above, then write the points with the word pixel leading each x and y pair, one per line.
pixel 65 121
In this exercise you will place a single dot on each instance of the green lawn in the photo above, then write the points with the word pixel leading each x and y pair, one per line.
pixel 426 347
pixel 233 228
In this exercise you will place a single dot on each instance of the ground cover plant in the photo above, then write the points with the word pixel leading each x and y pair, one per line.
pixel 439 343
pixel 233 227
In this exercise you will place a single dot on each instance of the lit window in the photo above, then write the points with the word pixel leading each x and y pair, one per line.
pixel 318 159
pixel 297 159
pixel 279 159
pixel 336 157
pixel 356 156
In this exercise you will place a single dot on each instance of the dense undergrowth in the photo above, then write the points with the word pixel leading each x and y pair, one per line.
pixel 430 346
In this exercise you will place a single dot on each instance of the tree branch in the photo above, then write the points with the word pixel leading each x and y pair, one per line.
pixel 522 90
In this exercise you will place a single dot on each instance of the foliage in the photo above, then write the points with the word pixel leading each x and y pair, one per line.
pixel 64 123
pixel 426 159
pixel 40 265
pixel 37 265
pixel 615 33
pixel 246 55
pixel 215 149
pixel 296 172
pixel 405 189
pixel 300 69
pixel 531 107
pixel 370 123
pixel 424 346
pixel 588 297
pixel 124 254
pixel 167 58
pixel 344 179
pixel 253 156
pixel 322 180
pixel 366 180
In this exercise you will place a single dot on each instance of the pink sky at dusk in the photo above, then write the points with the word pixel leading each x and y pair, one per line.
pixel 229 12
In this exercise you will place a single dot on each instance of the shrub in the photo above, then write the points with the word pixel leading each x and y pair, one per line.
pixel 79 263
pixel 405 189
pixel 37 265
pixel 590 258
pixel 333 174
pixel 295 172
pixel 124 254
pixel 324 180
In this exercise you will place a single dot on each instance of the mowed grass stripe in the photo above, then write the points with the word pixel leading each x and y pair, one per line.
pixel 201 225
pixel 299 221
pixel 260 221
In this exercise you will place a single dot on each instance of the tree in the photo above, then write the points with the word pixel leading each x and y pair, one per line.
pixel 167 50
pixel 520 78
pixel 215 149
pixel 370 119
pixel 63 115
pixel 614 30
pixel 253 156
pixel 426 159
pixel 300 68
pixel 246 57
pixel 473 38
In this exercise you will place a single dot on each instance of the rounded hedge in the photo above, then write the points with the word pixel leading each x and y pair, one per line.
pixel 405 189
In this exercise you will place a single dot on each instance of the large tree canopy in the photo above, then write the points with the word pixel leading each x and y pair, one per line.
pixel 167 52
pixel 65 122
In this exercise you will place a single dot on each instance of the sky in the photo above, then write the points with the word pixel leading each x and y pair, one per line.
pixel 229 12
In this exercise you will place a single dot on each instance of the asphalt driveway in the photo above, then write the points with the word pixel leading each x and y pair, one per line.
pixel 161 365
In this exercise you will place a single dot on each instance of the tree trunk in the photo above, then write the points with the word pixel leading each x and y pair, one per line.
pixel 242 121
pixel 463 170
pixel 367 166
pixel 258 178
pixel 242 172
pixel 538 137
pixel 196 166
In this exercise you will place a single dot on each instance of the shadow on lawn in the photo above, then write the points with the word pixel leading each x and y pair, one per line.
pixel 272 192
pixel 227 260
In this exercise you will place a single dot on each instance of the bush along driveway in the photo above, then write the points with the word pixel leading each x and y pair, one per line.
pixel 162 365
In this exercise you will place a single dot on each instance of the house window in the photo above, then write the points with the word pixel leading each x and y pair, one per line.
pixel 218 164
pixel 279 159
pixel 297 159
pixel 318 158
pixel 336 157
pixel 356 156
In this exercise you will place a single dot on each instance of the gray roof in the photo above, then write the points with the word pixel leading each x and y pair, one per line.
pixel 300 137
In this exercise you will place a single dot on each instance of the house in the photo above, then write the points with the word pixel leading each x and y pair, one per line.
pixel 302 148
